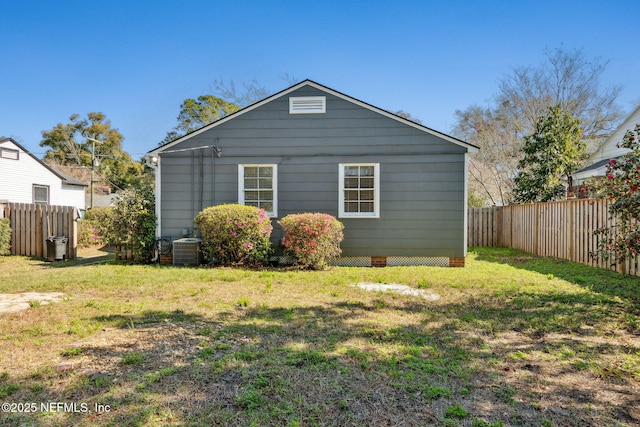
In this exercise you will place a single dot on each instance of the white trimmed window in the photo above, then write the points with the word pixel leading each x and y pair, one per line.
pixel 41 194
pixel 359 190
pixel 308 105
pixel 258 186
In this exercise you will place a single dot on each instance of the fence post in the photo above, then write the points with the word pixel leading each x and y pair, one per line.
pixel 39 233
pixel 571 232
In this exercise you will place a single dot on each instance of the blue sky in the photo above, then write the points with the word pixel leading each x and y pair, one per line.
pixel 136 61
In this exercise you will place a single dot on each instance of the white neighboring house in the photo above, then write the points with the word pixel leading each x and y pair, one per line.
pixel 597 163
pixel 26 179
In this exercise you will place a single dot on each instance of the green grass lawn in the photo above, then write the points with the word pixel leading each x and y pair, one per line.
pixel 513 340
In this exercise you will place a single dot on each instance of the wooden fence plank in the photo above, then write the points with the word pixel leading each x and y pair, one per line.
pixel 31 225
pixel 556 229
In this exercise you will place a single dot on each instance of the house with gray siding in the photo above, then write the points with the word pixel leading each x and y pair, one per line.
pixel 399 187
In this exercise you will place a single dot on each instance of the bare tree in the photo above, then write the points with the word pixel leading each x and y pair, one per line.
pixel 565 78
pixel 493 169
pixel 249 92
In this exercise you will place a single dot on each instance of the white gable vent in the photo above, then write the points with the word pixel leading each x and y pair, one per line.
pixel 8 153
pixel 308 105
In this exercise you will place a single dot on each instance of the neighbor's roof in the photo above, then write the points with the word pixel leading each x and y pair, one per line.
pixel 470 147
pixel 597 165
pixel 595 160
pixel 65 179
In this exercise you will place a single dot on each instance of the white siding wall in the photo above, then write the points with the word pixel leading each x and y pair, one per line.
pixel 609 149
pixel 17 178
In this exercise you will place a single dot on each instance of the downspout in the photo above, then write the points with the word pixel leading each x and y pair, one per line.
pixel 201 196
pixel 465 207
pixel 193 188
pixel 213 176
pixel 215 152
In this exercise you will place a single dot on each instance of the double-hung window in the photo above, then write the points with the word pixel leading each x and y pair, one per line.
pixel 258 186
pixel 359 190
pixel 41 194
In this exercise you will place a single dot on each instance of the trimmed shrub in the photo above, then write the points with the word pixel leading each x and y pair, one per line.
pixel 312 239
pixel 93 228
pixel 5 237
pixel 235 234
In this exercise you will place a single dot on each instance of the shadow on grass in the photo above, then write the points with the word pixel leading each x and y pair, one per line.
pixel 335 363
pixel 78 262
pixel 598 280
pixel 146 317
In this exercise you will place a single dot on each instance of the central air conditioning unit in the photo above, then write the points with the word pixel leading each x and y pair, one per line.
pixel 187 251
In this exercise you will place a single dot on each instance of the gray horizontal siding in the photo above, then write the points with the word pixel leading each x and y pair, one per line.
pixel 421 182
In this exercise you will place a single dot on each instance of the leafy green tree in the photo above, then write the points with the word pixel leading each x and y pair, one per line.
pixel 475 201
pixel 551 153
pixel 197 113
pixel 70 144
pixel 225 98
pixel 621 241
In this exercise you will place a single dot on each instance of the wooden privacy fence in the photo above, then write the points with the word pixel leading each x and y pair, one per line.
pixel 32 224
pixel 555 229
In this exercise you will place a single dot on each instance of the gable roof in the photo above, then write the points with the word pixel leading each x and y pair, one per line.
pixel 64 178
pixel 470 147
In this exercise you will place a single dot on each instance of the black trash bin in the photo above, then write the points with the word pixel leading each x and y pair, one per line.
pixel 56 248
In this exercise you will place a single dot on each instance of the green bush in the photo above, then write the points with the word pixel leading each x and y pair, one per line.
pixel 5 236
pixel 312 239
pixel 99 214
pixel 620 240
pixel 132 223
pixel 235 234
pixel 93 228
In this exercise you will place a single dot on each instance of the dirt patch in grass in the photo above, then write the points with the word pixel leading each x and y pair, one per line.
pixel 399 288
pixel 12 303
pixel 111 352
pixel 569 376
